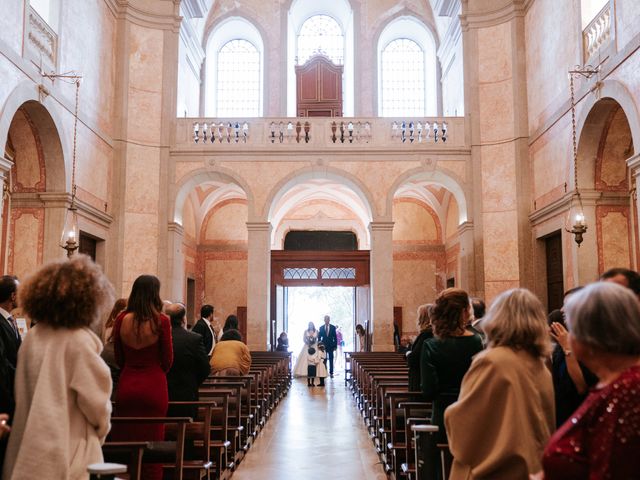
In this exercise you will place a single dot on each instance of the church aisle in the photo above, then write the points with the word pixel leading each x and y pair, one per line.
pixel 315 434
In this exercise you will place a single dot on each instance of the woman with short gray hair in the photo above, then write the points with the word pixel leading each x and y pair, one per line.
pixel 602 438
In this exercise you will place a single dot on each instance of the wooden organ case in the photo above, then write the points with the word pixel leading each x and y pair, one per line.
pixel 319 88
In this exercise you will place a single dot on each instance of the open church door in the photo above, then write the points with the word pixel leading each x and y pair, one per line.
pixel 279 324
pixel 363 313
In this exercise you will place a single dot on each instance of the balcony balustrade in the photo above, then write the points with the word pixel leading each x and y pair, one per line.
pixel 319 133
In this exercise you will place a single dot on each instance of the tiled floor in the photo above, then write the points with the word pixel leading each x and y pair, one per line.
pixel 315 434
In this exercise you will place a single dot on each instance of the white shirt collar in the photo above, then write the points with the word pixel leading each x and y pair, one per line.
pixel 4 313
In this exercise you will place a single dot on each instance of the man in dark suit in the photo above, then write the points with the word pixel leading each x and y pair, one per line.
pixel 10 339
pixel 328 336
pixel 9 344
pixel 204 327
pixel 190 362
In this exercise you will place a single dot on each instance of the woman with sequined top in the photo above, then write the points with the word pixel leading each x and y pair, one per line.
pixel 601 440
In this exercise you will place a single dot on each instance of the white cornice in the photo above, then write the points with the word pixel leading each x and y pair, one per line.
pixel 561 205
pixel 490 18
pixel 123 10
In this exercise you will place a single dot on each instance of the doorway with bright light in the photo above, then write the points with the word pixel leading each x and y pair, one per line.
pixel 310 304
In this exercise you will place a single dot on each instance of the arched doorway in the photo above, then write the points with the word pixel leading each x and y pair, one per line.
pixel 315 205
pixel 212 210
pixel 36 165
pixel 605 145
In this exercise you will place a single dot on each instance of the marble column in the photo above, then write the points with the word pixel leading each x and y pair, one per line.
pixel 466 259
pixel 381 274
pixel 258 284
pixel 497 115
pixel 633 164
pixel 175 289
pixel 5 168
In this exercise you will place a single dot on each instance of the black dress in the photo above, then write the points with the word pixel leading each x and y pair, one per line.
pixel 413 359
pixel 444 362
pixel 566 395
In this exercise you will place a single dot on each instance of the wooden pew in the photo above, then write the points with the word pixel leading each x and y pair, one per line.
pixel 168 453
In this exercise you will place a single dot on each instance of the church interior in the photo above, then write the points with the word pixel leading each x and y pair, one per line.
pixel 241 151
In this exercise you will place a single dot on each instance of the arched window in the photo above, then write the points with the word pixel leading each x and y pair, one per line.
pixel 407 74
pixel 402 73
pixel 234 70
pixel 321 34
pixel 321 27
pixel 238 83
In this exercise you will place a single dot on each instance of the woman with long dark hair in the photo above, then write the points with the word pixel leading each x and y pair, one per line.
pixel 142 340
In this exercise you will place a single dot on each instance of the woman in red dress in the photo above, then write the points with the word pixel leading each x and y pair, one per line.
pixel 601 440
pixel 144 352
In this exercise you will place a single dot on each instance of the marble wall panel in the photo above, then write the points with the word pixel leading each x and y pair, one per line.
pixel 142 179
pixel 87 39
pixel 12 24
pixel 550 158
pixel 226 223
pixel 614 247
pixel 145 84
pixel 415 222
pixel 494 58
pixel 28 171
pixel 320 209
pixel 263 177
pixel 225 285
pixel 496 111
pixel 189 220
pixel 414 283
pixel 140 249
pixel 627 18
pixel 617 147
pixel 499 181
pixel 552 47
pixel 451 230
pixel 26 241
pixel 500 231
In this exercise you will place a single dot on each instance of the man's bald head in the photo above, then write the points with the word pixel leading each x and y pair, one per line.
pixel 177 314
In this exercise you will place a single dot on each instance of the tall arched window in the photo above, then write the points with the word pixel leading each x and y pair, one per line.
pixel 321 27
pixel 402 71
pixel 321 34
pixel 238 85
pixel 234 70
pixel 407 74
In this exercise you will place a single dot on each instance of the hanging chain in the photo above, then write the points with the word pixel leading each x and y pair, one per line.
pixel 75 143
pixel 574 139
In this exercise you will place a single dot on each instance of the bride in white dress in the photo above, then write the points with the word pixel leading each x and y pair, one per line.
pixel 310 338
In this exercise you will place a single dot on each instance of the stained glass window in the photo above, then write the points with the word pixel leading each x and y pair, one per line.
pixel 238 92
pixel 403 82
pixel 320 34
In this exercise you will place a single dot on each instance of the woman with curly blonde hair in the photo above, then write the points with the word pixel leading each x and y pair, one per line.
pixel 62 385
pixel 505 414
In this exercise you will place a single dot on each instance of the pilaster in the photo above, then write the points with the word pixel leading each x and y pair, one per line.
pixel 382 285
pixel 258 284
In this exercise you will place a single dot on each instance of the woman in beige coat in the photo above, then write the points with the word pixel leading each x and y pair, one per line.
pixel 505 413
pixel 62 385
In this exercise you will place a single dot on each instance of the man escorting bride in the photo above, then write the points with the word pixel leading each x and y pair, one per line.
pixel 310 339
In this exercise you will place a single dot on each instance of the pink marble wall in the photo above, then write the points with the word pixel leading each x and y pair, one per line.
pixel 613 230
pixel 226 223
pixel 225 278
pixel 415 223
pixel 26 232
